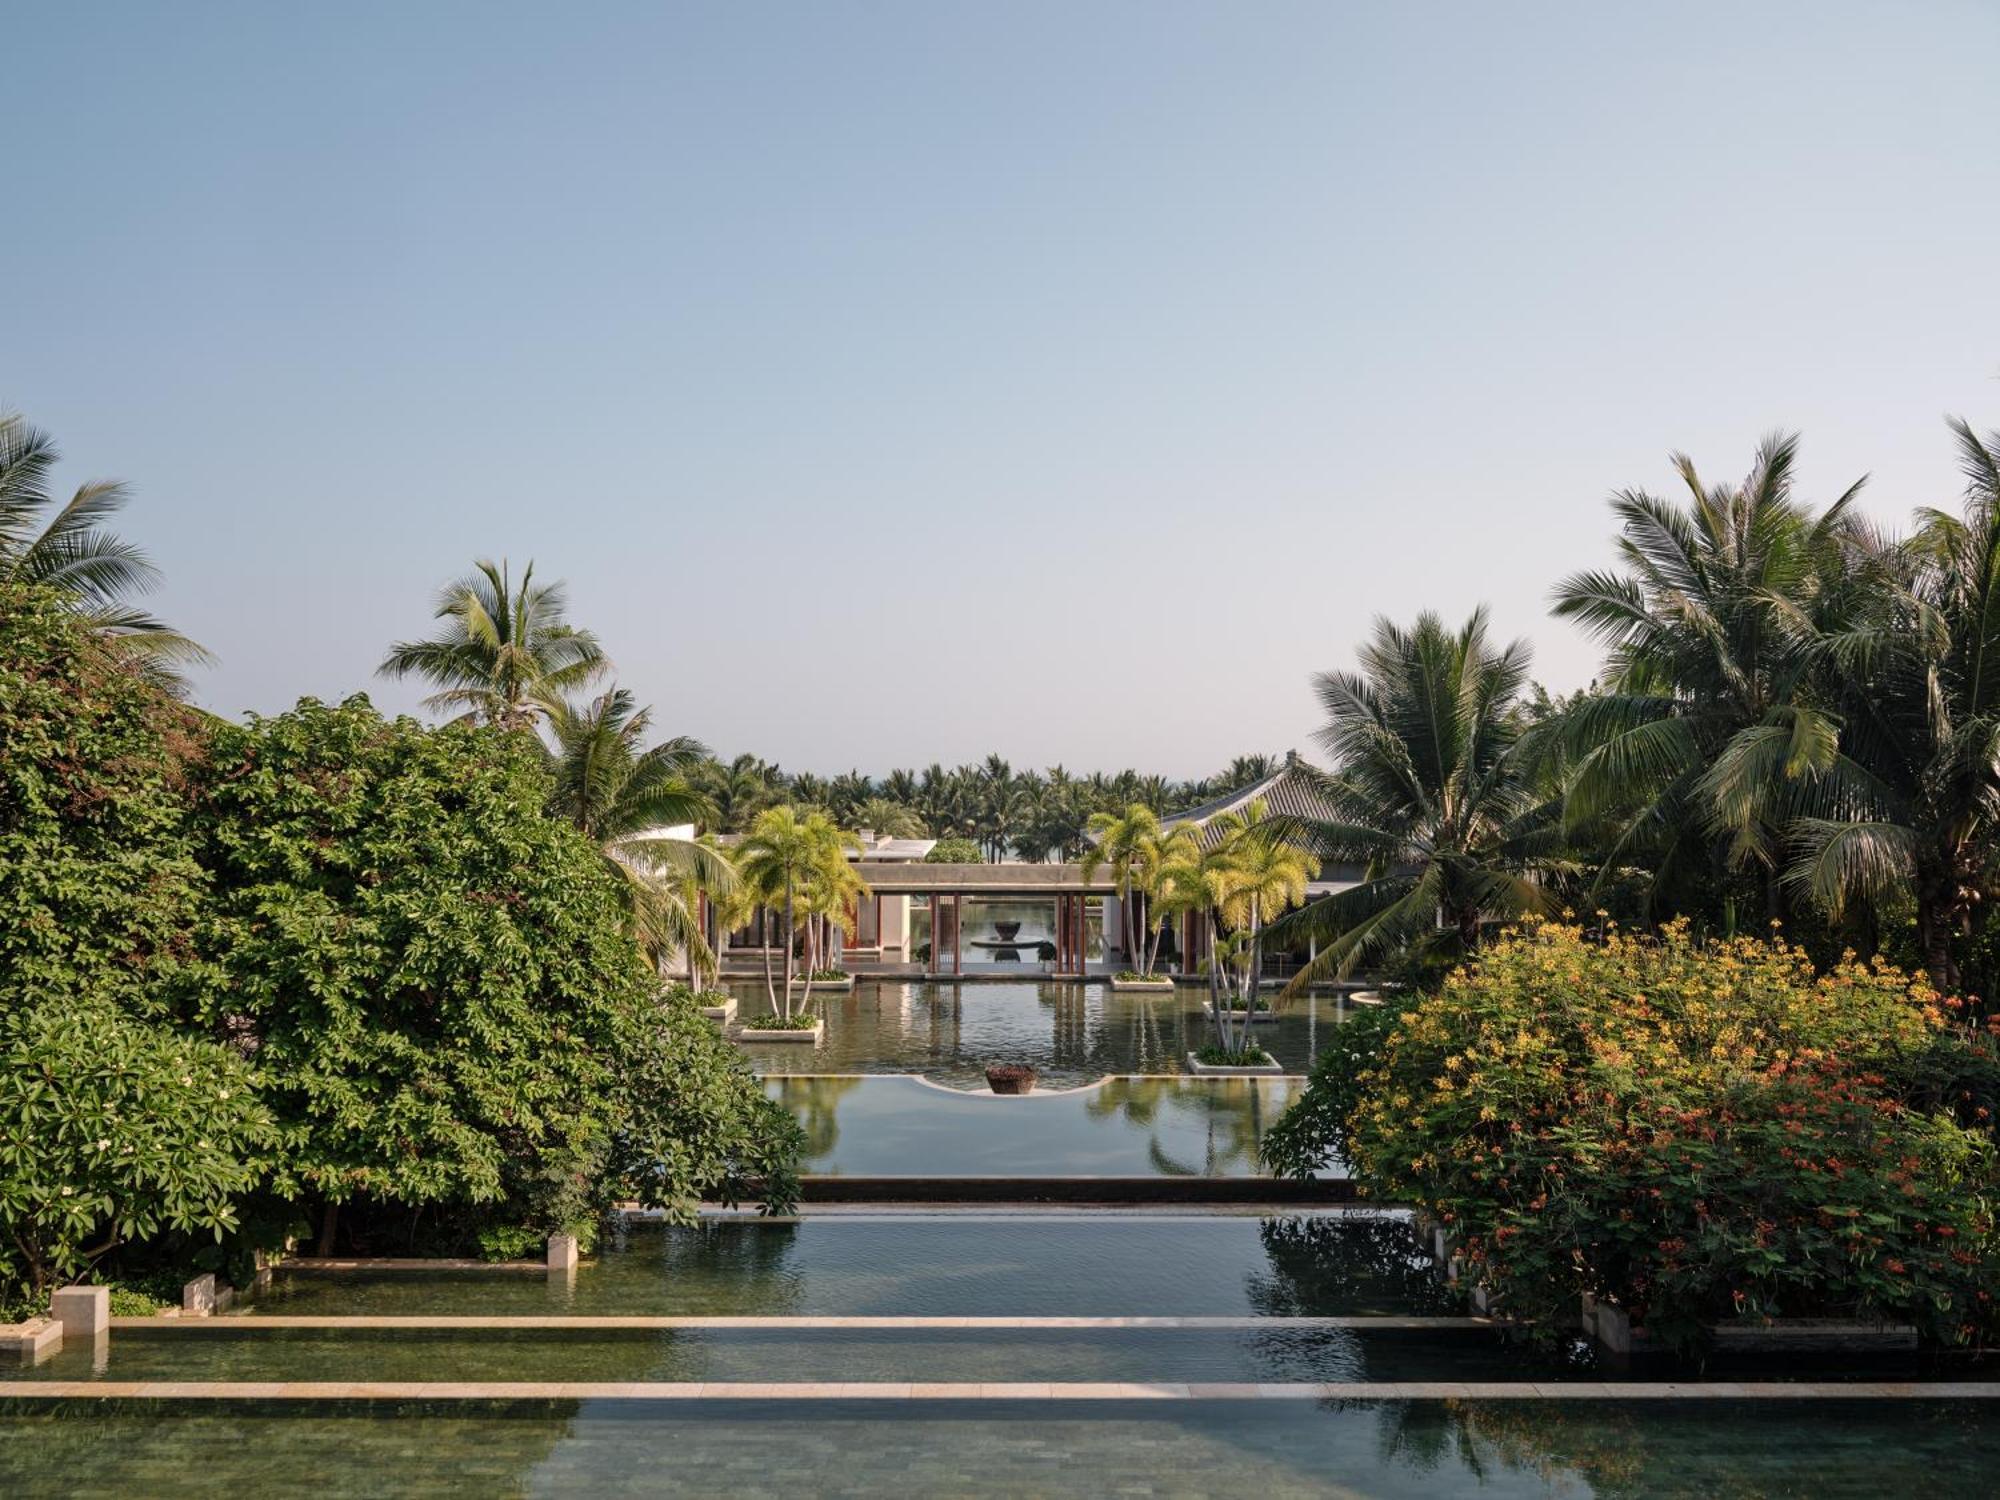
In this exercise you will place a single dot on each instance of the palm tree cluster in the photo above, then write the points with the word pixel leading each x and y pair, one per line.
pixel 1798 721
pixel 1031 815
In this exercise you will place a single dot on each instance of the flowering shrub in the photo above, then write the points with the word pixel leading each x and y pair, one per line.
pixel 1696 1132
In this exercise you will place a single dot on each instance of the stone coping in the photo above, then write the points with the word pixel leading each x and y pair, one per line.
pixel 583 1323
pixel 815 1390
pixel 337 1264
pixel 1270 1068
pixel 1040 1092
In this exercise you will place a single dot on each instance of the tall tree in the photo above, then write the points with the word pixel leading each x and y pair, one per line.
pixel 784 859
pixel 1911 807
pixel 70 551
pixel 1428 794
pixel 626 796
pixel 506 653
pixel 1711 629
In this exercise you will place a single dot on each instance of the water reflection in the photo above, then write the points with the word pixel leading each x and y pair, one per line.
pixel 1126 1127
pixel 1070 1033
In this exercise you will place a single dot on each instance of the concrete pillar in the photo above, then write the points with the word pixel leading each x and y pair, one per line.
pixel 83 1311
pixel 562 1253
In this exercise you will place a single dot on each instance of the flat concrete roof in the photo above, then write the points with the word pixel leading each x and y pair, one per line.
pixel 981 880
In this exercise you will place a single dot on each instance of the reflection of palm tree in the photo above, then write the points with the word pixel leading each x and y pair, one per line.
pixel 815 1104
pixel 1233 1118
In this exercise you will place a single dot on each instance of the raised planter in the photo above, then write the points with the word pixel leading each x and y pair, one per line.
pixel 1269 1068
pixel 1254 1017
pixel 1610 1326
pixel 725 1012
pixel 1159 984
pixel 31 1341
pixel 827 986
pixel 747 1036
pixel 1010 1078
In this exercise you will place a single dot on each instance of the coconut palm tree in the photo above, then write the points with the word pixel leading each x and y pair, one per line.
pixel 68 550
pixel 1912 803
pixel 889 819
pixel 625 796
pixel 506 654
pixel 1269 872
pixel 1712 629
pixel 785 860
pixel 1428 794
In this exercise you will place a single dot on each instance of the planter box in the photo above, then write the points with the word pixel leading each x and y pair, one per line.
pixel 1611 1327
pixel 725 1012
pixel 827 986
pixel 1238 1017
pixel 1269 1068
pixel 1157 985
pixel 31 1341
pixel 745 1036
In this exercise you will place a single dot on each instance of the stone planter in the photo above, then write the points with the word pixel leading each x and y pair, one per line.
pixel 725 1012
pixel 745 1036
pixel 1269 1068
pixel 1238 1017
pixel 32 1341
pixel 1157 985
pixel 1010 1078
pixel 1610 1326
pixel 828 986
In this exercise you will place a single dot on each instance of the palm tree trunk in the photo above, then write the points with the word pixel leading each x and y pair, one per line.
pixel 789 920
pixel 764 942
pixel 1126 929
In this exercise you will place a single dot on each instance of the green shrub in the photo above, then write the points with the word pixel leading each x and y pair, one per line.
pixel 1695 1132
pixel 955 851
pixel 511 1242
pixel 113 1130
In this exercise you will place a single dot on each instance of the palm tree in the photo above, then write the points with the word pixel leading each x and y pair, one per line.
pixel 786 858
pixel 1128 843
pixel 506 655
pixel 1712 631
pixel 1428 794
pixel 740 790
pixel 889 819
pixel 625 797
pixel 1913 800
pixel 1268 877
pixel 72 554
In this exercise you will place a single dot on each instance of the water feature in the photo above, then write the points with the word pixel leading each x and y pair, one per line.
pixel 1116 1127
pixel 1071 1033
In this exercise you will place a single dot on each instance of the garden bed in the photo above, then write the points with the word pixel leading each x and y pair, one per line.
pixel 1261 1016
pixel 815 1033
pixel 1270 1067
pixel 1158 984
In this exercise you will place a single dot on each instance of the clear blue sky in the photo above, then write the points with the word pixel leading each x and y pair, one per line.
pixel 1070 380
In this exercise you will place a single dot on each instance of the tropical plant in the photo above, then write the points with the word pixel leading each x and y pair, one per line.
pixel 1690 757
pixel 72 554
pixel 628 798
pixel 955 851
pixel 1133 847
pixel 506 655
pixel 437 983
pixel 885 818
pixel 1910 808
pixel 1696 1133
pixel 1428 794
pixel 785 863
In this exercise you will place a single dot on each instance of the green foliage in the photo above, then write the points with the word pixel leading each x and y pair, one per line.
pixel 437 979
pixel 955 851
pixel 1694 1132
pixel 1249 1056
pixel 98 887
pixel 1312 1134
pixel 112 1130
pixel 511 1241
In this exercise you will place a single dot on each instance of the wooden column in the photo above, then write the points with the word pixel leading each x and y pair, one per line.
pixel 958 933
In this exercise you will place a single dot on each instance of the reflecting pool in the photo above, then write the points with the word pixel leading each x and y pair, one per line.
pixel 1120 1127
pixel 1071 1033
pixel 939 1265
pixel 1397 1450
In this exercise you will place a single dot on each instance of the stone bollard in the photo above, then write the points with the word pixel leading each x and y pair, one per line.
pixel 562 1254
pixel 84 1312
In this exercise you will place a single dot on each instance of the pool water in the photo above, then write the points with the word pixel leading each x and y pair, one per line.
pixel 1115 1127
pixel 939 1265
pixel 1071 1033
pixel 1392 1450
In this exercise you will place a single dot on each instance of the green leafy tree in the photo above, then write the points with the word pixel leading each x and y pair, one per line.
pixel 436 978
pixel 787 864
pixel 505 654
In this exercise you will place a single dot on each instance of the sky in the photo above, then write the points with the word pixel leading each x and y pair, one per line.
pixel 902 382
